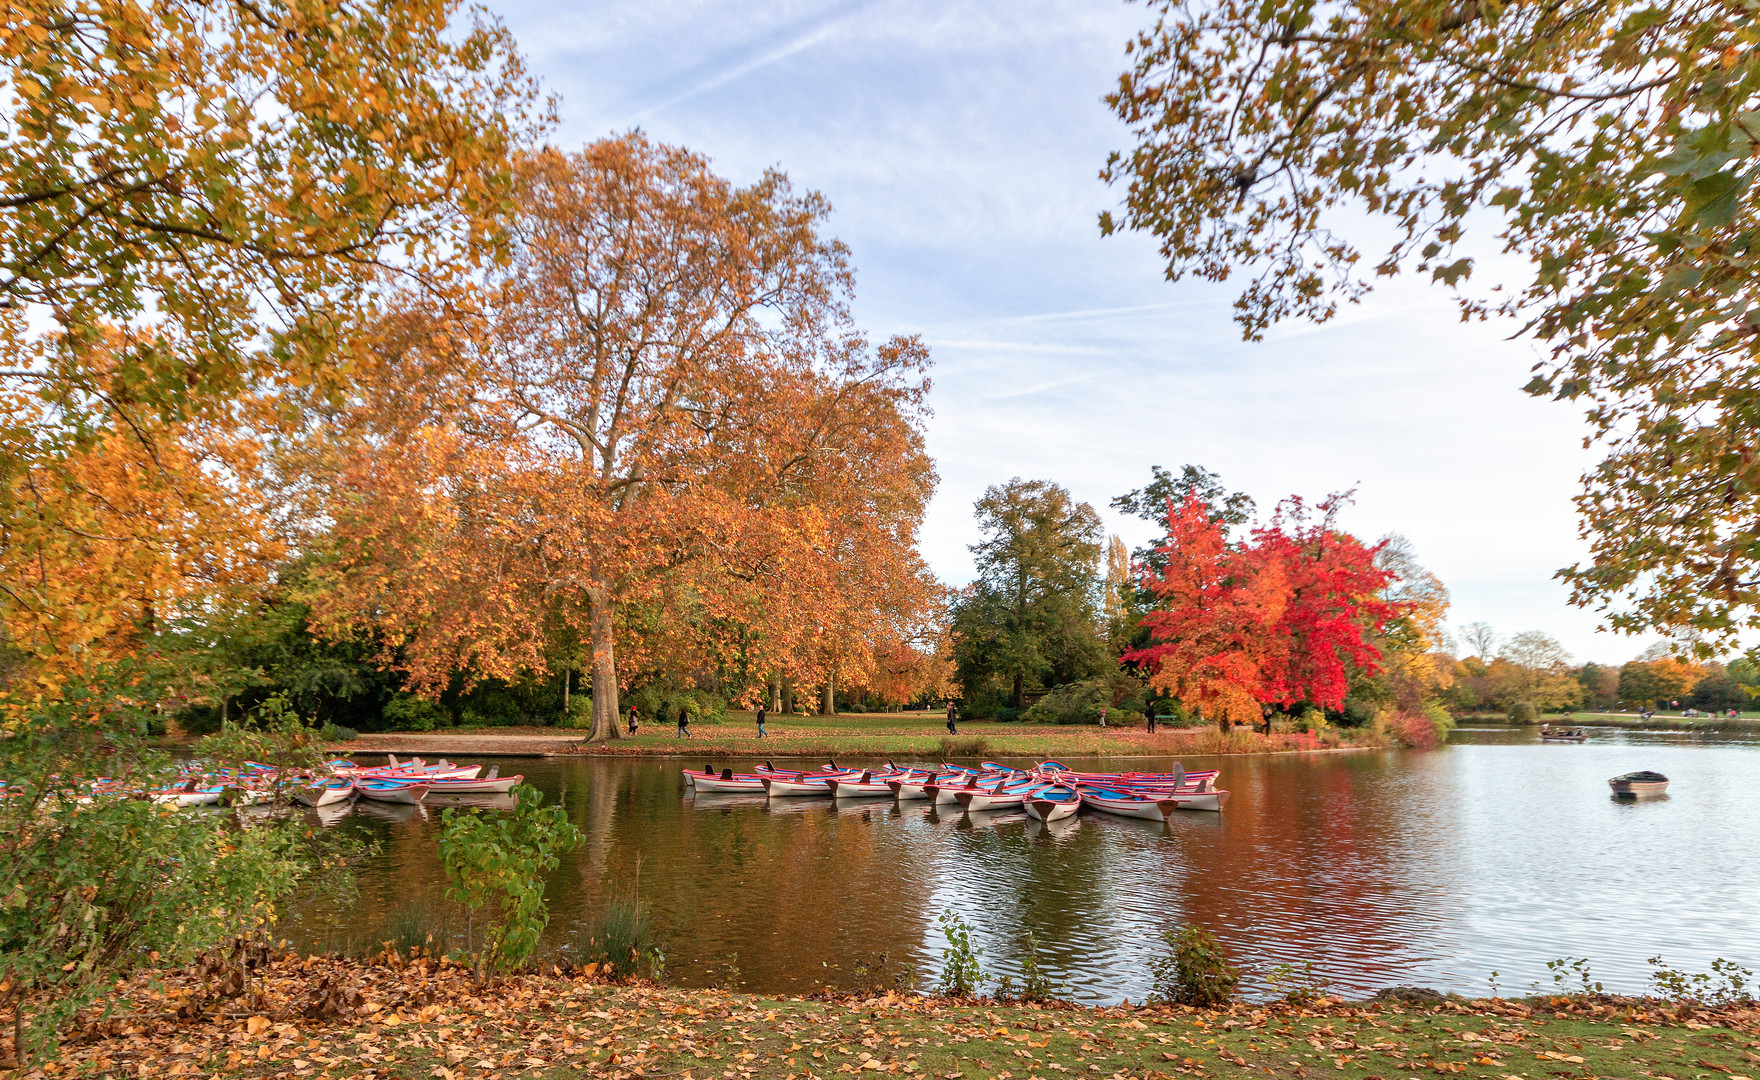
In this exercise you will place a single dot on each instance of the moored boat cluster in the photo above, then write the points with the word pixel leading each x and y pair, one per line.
pixel 406 782
pixel 1047 791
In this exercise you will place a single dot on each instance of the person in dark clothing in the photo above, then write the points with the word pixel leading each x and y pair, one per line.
pixel 1149 713
pixel 952 719
pixel 632 720
pixel 684 723
pixel 761 712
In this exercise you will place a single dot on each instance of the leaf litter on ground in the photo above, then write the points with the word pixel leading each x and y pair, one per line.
pixel 420 1017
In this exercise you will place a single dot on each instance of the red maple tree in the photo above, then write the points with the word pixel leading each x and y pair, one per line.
pixel 1280 618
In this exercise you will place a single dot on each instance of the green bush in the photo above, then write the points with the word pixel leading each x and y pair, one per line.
pixel 659 702
pixel 580 712
pixel 496 864
pixel 1523 712
pixel 335 733
pixel 1008 714
pixel 1035 980
pixel 1194 971
pixel 1081 702
pixel 1440 718
pixel 961 976
pixel 407 712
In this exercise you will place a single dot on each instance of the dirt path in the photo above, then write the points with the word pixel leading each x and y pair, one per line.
pixel 430 744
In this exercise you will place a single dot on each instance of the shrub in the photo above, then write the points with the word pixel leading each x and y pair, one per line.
pixel 661 702
pixel 1081 702
pixel 1008 715
pixel 1312 721
pixel 335 733
pixel 961 976
pixel 1523 712
pixel 1440 719
pixel 856 707
pixel 1726 985
pixel 495 866
pixel 579 713
pixel 1194 971
pixel 1298 985
pixel 1409 729
pixel 1035 980
pixel 407 712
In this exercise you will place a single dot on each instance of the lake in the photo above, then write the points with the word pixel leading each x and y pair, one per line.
pixel 1496 853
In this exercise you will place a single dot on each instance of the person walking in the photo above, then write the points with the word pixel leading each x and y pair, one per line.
pixel 632 721
pixel 1149 714
pixel 1102 716
pixel 761 711
pixel 952 719
pixel 684 722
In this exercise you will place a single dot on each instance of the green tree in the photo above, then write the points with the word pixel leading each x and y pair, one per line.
pixel 1600 685
pixel 1033 614
pixel 1613 142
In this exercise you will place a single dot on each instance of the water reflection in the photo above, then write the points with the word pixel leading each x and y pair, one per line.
pixel 1379 868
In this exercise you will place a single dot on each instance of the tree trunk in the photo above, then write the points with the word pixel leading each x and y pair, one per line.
pixel 775 693
pixel 788 696
pixel 605 712
pixel 565 675
pixel 828 698
pixel 1020 693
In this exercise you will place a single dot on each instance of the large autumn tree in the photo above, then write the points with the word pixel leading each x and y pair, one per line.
pixel 194 200
pixel 654 424
pixel 1283 617
pixel 1610 144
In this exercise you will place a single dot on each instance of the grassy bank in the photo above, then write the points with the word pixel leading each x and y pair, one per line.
pixel 913 736
pixel 349 1019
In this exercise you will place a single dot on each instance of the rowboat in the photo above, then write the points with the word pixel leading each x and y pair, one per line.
pixel 493 784
pixel 1198 780
pixel 415 768
pixel 1562 734
pixel 999 795
pixel 391 791
pixel 726 780
pixel 1053 802
pixel 867 785
pixel 946 788
pixel 915 783
pixel 817 783
pixel 1639 785
pixel 189 795
pixel 324 792
pixel 1125 803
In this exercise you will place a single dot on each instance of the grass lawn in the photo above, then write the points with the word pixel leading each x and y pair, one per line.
pixel 417 1020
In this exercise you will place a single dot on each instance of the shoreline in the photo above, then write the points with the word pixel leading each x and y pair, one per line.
pixel 981 740
pixel 413 1016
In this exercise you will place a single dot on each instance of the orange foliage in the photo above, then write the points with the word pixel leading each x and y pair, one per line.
pixel 654 427
pixel 106 537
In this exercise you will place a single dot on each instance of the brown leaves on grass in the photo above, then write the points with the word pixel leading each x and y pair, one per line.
pixel 415 1016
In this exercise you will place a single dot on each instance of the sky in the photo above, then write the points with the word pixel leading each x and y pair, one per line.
pixel 960 145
